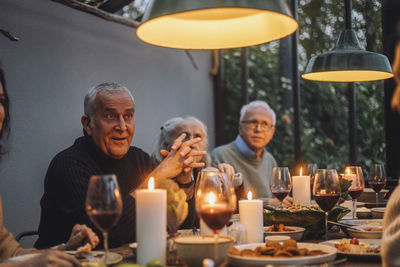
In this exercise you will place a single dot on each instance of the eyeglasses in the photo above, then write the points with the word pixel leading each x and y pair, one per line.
pixel 264 126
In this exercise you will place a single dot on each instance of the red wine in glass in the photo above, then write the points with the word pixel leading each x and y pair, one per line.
pixel 377 186
pixel 355 193
pixel 216 218
pixel 281 194
pixel 280 183
pixel 326 192
pixel 104 220
pixel 327 201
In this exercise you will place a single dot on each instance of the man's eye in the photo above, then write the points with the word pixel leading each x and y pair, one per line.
pixel 128 116
pixel 109 116
pixel 264 124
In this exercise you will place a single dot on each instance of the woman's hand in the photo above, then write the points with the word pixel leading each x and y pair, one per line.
pixel 80 235
pixel 50 258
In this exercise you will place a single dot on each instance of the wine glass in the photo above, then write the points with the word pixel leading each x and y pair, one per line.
pixel 310 169
pixel 355 175
pixel 326 192
pixel 215 201
pixel 104 205
pixel 280 183
pixel 377 179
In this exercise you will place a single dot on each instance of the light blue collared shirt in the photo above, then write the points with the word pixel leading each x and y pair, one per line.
pixel 244 148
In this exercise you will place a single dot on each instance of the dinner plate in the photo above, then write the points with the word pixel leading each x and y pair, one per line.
pixel 237 260
pixel 362 224
pixel 23 257
pixel 372 242
pixel 112 258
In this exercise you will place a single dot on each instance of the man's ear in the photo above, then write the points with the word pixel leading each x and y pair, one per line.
pixel 85 120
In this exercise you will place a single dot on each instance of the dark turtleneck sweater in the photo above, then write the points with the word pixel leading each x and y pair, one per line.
pixel 66 185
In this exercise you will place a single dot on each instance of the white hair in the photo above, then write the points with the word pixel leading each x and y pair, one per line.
pixel 89 104
pixel 256 104
pixel 168 134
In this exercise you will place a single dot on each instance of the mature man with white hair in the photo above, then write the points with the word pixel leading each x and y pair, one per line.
pixel 105 148
pixel 247 154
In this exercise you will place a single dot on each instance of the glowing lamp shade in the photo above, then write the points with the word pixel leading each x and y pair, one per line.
pixel 348 62
pixel 215 24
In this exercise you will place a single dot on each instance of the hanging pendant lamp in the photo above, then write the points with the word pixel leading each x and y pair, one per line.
pixel 215 24
pixel 348 62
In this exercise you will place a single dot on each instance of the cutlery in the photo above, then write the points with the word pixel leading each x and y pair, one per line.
pixel 350 226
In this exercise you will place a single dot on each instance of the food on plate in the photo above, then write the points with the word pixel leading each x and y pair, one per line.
pixel 354 246
pixel 279 228
pixel 363 209
pixel 289 248
pixel 85 248
pixel 372 229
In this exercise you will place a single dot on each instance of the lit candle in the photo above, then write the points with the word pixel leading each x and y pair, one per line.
pixel 151 223
pixel 251 217
pixel 351 177
pixel 301 189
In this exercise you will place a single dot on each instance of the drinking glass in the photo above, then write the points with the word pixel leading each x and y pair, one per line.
pixel 355 175
pixel 104 205
pixel 377 179
pixel 280 183
pixel 215 201
pixel 310 169
pixel 326 192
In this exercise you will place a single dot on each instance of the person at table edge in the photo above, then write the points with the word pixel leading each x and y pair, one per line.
pixel 108 126
pixel 247 154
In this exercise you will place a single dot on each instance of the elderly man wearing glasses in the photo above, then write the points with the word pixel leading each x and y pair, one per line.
pixel 247 154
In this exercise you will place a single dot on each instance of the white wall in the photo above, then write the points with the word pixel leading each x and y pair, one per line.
pixel 62 54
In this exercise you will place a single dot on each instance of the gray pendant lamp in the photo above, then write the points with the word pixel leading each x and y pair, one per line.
pixel 215 24
pixel 348 61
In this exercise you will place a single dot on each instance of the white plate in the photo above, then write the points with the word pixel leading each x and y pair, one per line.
pixel 297 234
pixel 262 261
pixel 113 257
pixel 373 242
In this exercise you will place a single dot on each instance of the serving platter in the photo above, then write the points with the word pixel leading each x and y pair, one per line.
pixel 237 260
pixel 362 224
pixel 357 256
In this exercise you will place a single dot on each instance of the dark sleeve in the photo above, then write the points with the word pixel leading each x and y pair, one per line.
pixel 63 202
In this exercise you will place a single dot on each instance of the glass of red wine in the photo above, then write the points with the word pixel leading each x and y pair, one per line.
pixel 104 205
pixel 355 175
pixel 280 183
pixel 215 201
pixel 377 179
pixel 326 192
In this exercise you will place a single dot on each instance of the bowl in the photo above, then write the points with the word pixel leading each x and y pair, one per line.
pixel 277 238
pixel 364 214
pixel 377 213
pixel 297 234
pixel 194 248
pixel 361 232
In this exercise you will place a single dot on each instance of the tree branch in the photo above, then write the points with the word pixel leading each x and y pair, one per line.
pixel 99 13
pixel 9 35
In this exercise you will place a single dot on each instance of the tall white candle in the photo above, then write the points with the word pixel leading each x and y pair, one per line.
pixel 301 189
pixel 151 224
pixel 251 217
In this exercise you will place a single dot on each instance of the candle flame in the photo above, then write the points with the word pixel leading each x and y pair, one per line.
pixel 211 198
pixel 249 195
pixel 301 171
pixel 150 184
pixel 348 171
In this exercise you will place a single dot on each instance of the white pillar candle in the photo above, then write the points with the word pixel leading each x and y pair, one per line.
pixel 151 224
pixel 301 189
pixel 251 217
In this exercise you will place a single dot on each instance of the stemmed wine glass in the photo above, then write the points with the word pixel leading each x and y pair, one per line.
pixel 280 183
pixel 377 179
pixel 310 169
pixel 355 175
pixel 104 205
pixel 326 192
pixel 215 201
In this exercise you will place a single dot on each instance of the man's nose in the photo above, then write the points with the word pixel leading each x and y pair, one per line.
pixel 121 124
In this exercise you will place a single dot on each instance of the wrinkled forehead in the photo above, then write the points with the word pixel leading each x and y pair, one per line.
pixel 119 99
pixel 259 114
